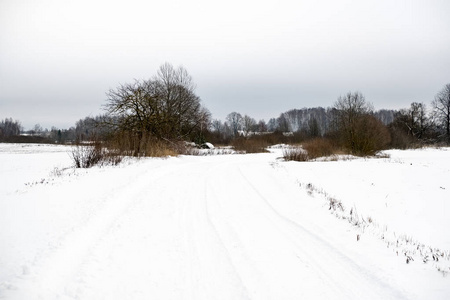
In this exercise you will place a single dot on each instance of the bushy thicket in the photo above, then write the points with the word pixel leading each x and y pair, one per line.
pixel 357 129
pixel 320 147
pixel 250 145
pixel 312 149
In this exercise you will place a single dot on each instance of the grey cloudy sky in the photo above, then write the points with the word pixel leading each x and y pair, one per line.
pixel 58 58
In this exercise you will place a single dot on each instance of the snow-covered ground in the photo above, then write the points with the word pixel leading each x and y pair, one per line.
pixel 224 227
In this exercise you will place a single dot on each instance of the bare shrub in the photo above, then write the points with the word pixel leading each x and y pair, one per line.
pixel 295 154
pixel 86 156
pixel 89 155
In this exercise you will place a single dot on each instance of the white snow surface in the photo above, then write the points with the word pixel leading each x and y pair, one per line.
pixel 224 227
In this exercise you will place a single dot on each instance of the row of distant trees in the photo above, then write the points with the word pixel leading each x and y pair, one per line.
pixel 12 131
pixel 10 127
pixel 165 109
pixel 306 122
pixel 351 117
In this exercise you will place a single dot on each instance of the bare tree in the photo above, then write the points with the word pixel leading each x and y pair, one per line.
pixel 441 110
pixel 131 109
pixel 283 123
pixel 181 112
pixel 217 126
pixel 262 126
pixel 37 129
pixel 164 107
pixel 313 128
pixel 235 122
pixel 350 108
pixel 272 124
pixel 360 132
pixel 419 120
pixel 411 126
pixel 248 124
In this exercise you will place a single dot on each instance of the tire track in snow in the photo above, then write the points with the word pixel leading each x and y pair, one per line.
pixel 221 240
pixel 213 275
pixel 254 242
pixel 322 255
pixel 186 258
pixel 243 264
pixel 57 266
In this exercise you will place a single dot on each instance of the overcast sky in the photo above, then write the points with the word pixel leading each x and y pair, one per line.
pixel 58 58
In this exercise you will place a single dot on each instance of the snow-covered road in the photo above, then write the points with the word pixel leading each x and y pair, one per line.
pixel 234 227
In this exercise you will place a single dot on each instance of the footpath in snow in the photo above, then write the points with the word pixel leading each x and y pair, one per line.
pixel 222 227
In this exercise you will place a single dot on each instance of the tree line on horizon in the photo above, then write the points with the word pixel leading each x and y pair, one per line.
pixel 164 110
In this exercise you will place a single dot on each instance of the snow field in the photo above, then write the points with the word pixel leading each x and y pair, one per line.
pixel 406 195
pixel 215 227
